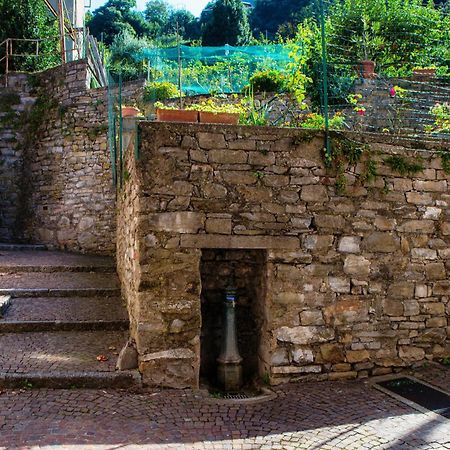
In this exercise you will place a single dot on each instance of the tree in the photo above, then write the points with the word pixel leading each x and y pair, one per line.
pixel 29 19
pixel 228 24
pixel 157 13
pixel 269 15
pixel 188 25
pixel 116 17
pixel 126 56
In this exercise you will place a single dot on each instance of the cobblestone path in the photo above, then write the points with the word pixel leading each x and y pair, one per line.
pixel 310 415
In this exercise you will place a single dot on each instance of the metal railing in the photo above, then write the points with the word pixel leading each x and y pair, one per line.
pixel 84 46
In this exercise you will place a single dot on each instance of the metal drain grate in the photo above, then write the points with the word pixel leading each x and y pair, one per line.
pixel 422 394
pixel 235 395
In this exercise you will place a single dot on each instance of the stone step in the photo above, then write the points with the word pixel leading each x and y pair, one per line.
pixel 63 359
pixel 22 247
pixel 51 261
pixel 64 284
pixel 64 314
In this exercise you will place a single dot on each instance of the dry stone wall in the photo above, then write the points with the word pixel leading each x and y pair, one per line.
pixel 57 186
pixel 356 282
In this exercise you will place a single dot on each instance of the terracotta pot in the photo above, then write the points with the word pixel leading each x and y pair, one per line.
pixel 366 69
pixel 424 73
pixel 130 111
pixel 226 118
pixel 176 115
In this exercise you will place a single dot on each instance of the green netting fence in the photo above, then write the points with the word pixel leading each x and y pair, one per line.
pixel 205 70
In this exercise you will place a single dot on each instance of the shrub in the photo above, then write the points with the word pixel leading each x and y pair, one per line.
pixel 160 90
pixel 268 81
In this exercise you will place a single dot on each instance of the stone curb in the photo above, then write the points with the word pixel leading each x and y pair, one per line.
pixel 51 269
pixel 68 380
pixel 82 292
pixel 42 326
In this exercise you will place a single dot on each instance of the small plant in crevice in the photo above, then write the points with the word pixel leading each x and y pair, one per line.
pixel 346 153
pixel 404 166
pixel 445 161
pixel 258 175
pixel 370 171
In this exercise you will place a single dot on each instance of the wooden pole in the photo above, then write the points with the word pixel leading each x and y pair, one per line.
pixel 62 40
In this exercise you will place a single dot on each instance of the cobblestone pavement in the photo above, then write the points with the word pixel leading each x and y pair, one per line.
pixel 66 309
pixel 59 351
pixel 310 415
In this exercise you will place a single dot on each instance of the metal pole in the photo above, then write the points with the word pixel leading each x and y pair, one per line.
pixel 7 63
pixel 179 66
pixel 120 130
pixel 61 31
pixel 324 78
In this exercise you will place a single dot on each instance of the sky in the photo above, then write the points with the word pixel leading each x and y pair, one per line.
pixel 195 6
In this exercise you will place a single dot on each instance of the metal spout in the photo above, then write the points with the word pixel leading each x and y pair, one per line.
pixel 229 369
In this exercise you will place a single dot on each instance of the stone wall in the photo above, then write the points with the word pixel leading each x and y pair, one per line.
pixel 356 282
pixel 14 102
pixel 57 186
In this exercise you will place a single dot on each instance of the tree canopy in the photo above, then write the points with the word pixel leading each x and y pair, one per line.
pixel 29 19
pixel 227 24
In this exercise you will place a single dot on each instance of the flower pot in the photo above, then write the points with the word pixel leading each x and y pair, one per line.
pixel 221 117
pixel 420 74
pixel 366 69
pixel 130 111
pixel 176 115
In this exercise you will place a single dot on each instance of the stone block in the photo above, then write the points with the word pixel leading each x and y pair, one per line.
pixel 239 177
pixel 302 355
pixel 430 186
pixel 357 356
pixel 432 213
pixel 436 322
pixel 339 284
pixel 237 242
pixel 435 271
pixel 423 253
pixel 392 307
pixel 418 198
pixel 441 288
pixel 279 357
pixel 211 140
pixel 401 289
pixel 445 228
pixel 317 243
pixel 357 266
pixel 384 223
pixel 411 308
pixel 311 318
pixel 261 159
pixel 227 156
pixel 314 193
pixel 332 353
pixel 411 354
pixel 218 226
pixel 329 221
pixel 214 190
pixel 349 244
pixel 381 242
pixel 293 370
pixel 175 222
pixel 435 309
pixel 176 368
pixel 304 335
pixel 287 298
pixel 417 226
pixel 350 375
pixel 347 309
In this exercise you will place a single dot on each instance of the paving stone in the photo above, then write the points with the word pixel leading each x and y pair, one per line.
pixel 311 415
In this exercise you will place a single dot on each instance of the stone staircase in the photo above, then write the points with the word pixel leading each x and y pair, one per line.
pixel 62 323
